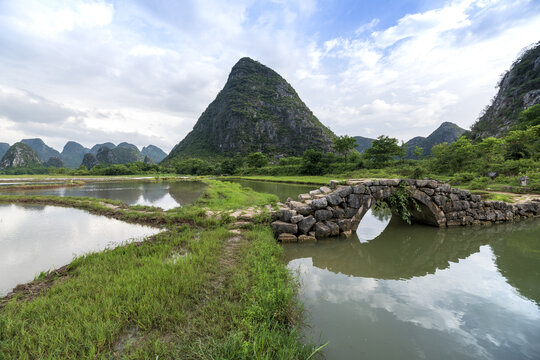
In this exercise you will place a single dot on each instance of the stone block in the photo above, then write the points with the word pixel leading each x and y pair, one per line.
pixel 359 189
pixel 285 215
pixel 344 224
pixel 296 219
pixel 354 201
pixel 281 227
pixel 321 230
pixel 325 190
pixel 306 224
pixel 338 212
pixel 428 191
pixel 334 228
pixel 344 191
pixel 307 239
pixel 319 204
pixel 323 214
pixel 287 238
pixel 334 199
pixel 333 184
pixel 315 192
pixel 305 210
pixel 303 197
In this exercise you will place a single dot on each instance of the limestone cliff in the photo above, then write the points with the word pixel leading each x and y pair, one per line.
pixel 257 110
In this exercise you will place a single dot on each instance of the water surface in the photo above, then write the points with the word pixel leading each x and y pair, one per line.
pixel 420 292
pixel 282 190
pixel 35 238
pixel 163 194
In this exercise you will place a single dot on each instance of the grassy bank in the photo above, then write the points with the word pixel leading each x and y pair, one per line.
pixel 194 291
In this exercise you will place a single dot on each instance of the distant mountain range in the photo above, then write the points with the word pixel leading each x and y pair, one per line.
pixel 73 153
pixel 446 132
pixel 363 143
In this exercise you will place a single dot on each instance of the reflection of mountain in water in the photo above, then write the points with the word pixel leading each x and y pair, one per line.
pixel 186 192
pixel 405 251
pixel 518 258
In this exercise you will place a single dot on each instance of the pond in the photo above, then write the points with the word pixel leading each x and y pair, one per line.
pixel 282 190
pixel 417 292
pixel 35 238
pixel 164 194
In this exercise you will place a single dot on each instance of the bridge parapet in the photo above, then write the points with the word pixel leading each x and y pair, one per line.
pixel 337 210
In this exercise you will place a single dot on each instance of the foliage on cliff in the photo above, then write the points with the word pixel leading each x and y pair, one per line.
pixel 20 155
pixel 519 89
pixel 257 110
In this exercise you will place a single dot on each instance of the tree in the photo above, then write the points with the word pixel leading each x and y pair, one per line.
pixel 312 162
pixel 418 151
pixel 384 149
pixel 257 160
pixel 344 144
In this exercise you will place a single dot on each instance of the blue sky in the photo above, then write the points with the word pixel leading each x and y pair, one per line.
pixel 143 72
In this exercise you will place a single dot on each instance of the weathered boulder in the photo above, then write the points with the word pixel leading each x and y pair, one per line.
pixel 334 228
pixel 296 219
pixel 334 199
pixel 306 224
pixel 281 227
pixel 321 230
pixel 307 239
pixel 319 203
pixel 287 238
pixel 323 214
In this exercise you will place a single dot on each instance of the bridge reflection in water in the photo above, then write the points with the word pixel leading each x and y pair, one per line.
pixel 418 291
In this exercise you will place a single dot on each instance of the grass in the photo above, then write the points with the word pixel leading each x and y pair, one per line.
pixel 315 180
pixel 194 291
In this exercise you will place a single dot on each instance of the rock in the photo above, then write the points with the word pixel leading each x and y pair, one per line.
pixel 306 224
pixel 315 192
pixel 428 191
pixel 307 239
pixel 523 180
pixel 285 215
pixel 321 215
pixel 345 224
pixel 354 201
pixel 303 197
pixel 347 233
pixel 319 203
pixel 321 230
pixel 287 238
pixel 281 227
pixel 325 190
pixel 492 174
pixel 338 212
pixel 334 228
pixel 344 191
pixel 333 184
pixel 304 210
pixel 296 219
pixel 334 199
pixel 359 189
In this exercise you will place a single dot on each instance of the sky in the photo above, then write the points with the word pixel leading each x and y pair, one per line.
pixel 143 71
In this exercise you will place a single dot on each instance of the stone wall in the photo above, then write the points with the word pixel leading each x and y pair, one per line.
pixel 337 210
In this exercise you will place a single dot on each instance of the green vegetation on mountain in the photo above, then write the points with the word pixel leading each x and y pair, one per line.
pixel 94 150
pixel 73 154
pixel 447 132
pixel 519 89
pixel 43 150
pixel 89 161
pixel 257 111
pixel 363 143
pixel 20 155
pixel 54 162
pixel 118 155
pixel 154 153
pixel 3 149
pixel 128 146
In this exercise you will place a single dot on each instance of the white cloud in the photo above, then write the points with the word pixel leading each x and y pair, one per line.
pixel 158 66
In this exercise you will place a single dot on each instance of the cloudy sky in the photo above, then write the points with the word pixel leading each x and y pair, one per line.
pixel 143 72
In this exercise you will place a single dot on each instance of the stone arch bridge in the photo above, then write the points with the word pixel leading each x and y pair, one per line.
pixel 336 210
